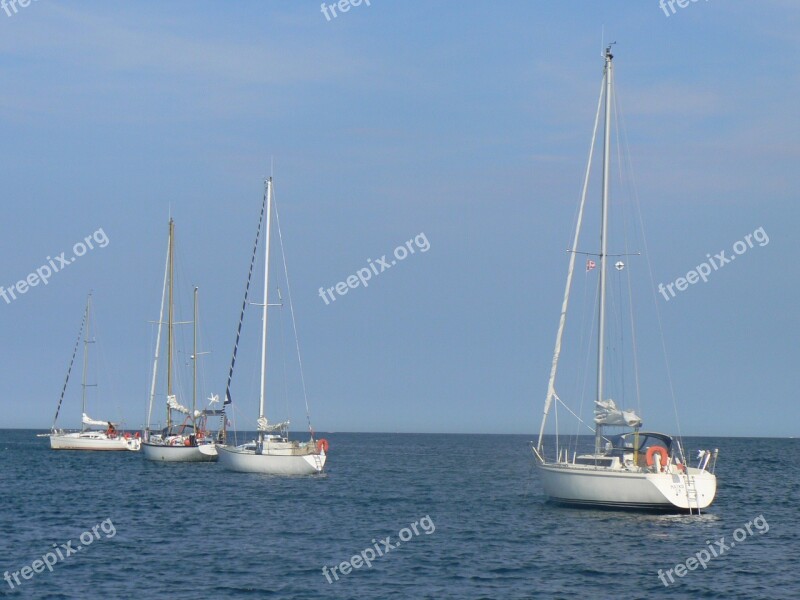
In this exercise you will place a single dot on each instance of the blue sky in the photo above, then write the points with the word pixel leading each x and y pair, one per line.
pixel 469 122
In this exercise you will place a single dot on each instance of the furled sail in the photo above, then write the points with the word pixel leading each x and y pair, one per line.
pixel 607 413
pixel 264 425
pixel 173 403
pixel 86 420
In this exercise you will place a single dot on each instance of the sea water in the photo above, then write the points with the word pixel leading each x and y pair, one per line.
pixel 435 516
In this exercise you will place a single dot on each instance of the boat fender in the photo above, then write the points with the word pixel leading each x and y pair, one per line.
pixel 322 445
pixel 661 451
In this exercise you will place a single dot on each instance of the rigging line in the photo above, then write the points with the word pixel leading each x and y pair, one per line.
pixel 555 416
pixel 652 284
pixel 182 350
pixel 291 311
pixel 283 355
pixel 570 270
pixel 100 365
pixel 580 381
pixel 620 356
pixel 227 400
pixel 634 347
pixel 560 401
pixel 69 369
pixel 588 354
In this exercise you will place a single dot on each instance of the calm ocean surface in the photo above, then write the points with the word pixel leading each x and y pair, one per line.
pixel 198 532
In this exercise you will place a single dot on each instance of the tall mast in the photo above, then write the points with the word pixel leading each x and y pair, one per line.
pixel 194 364
pixel 268 193
pixel 85 360
pixel 601 333
pixel 158 341
pixel 170 318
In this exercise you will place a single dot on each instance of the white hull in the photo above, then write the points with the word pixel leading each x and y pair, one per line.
pixel 92 440
pixel 161 453
pixel 247 461
pixel 589 486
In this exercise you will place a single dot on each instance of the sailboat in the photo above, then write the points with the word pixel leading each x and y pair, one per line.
pixel 188 441
pixel 107 438
pixel 634 469
pixel 272 452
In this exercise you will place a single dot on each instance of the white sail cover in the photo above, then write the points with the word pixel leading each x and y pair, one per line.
pixel 86 420
pixel 263 425
pixel 607 413
pixel 173 403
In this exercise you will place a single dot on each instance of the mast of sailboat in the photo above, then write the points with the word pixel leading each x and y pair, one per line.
pixel 170 320
pixel 601 331
pixel 253 256
pixel 261 415
pixel 551 389
pixel 194 365
pixel 158 341
pixel 85 360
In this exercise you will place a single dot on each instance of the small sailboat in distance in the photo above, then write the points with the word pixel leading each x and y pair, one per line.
pixel 634 469
pixel 108 437
pixel 272 452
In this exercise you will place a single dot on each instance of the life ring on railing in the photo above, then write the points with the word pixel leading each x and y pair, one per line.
pixel 137 435
pixel 187 442
pixel 127 435
pixel 660 450
pixel 322 445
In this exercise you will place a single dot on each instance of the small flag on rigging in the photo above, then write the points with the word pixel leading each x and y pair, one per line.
pixel 590 264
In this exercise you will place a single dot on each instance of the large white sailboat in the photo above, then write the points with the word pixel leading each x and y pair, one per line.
pixel 109 437
pixel 185 437
pixel 633 469
pixel 272 452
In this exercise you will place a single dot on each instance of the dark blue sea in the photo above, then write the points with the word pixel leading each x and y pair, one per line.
pixel 481 528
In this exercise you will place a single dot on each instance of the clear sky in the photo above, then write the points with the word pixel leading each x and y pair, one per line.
pixel 466 121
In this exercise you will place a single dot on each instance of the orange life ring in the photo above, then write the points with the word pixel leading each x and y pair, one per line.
pixel 322 445
pixel 187 442
pixel 659 450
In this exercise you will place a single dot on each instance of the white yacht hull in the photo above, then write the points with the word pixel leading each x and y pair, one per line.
pixel 277 463
pixel 162 453
pixel 588 486
pixel 92 440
